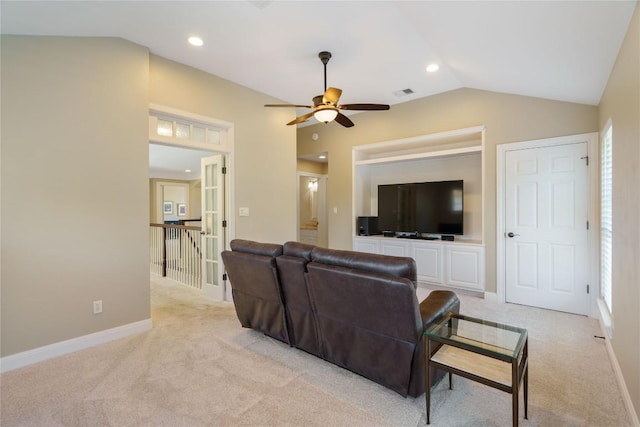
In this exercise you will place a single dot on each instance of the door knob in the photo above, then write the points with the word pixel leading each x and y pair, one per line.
pixel 510 234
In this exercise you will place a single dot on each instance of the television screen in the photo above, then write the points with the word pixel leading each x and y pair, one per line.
pixel 425 207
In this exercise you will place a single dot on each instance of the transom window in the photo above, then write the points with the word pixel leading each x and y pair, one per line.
pixel 187 131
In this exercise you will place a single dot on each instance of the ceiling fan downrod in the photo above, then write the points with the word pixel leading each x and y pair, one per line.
pixel 325 57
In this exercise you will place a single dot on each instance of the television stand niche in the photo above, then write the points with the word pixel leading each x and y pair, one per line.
pixel 444 156
pixel 457 264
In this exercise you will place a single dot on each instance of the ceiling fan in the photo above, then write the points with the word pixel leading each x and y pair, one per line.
pixel 326 107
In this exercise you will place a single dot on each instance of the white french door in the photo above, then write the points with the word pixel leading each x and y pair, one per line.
pixel 213 225
pixel 546 248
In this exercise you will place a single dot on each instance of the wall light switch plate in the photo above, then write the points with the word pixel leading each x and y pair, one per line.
pixel 244 211
pixel 97 307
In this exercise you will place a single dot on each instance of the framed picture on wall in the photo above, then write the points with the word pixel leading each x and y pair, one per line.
pixel 167 208
pixel 182 209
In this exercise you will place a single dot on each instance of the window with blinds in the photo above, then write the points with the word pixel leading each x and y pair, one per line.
pixel 606 220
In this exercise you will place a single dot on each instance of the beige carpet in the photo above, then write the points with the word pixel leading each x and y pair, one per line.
pixel 198 367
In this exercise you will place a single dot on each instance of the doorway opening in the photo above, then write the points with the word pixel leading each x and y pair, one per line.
pixel 313 227
pixel 190 197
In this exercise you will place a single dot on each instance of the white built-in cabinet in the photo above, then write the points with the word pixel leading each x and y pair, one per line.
pixel 451 264
pixel 452 155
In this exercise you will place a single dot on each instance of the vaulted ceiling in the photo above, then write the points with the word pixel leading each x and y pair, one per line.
pixel 561 50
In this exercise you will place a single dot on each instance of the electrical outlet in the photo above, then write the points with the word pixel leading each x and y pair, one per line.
pixel 97 307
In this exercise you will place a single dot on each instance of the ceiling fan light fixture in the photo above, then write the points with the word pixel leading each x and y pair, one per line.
pixel 326 115
pixel 326 106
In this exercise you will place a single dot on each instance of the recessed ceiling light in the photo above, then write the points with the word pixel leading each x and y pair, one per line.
pixel 187 170
pixel 322 156
pixel 195 41
pixel 432 68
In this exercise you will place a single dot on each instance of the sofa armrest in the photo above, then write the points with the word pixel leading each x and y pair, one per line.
pixel 436 305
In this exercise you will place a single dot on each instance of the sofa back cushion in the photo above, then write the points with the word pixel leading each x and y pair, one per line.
pixel 292 269
pixel 368 322
pixel 385 264
pixel 297 249
pixel 256 248
pixel 257 294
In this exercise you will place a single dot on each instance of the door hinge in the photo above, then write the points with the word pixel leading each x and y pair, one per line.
pixel 224 170
pixel 586 158
pixel 224 276
pixel 224 222
pixel 587 225
pixel 587 288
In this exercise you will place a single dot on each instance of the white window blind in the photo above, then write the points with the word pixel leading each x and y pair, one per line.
pixel 606 220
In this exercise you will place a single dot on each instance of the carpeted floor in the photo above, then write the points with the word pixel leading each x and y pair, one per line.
pixel 198 367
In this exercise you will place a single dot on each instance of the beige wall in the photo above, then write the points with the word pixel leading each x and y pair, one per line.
pixel 312 167
pixel 74 188
pixel 265 149
pixel 195 200
pixel 195 203
pixel 621 104
pixel 507 118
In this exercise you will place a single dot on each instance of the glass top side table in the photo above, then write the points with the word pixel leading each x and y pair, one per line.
pixel 490 353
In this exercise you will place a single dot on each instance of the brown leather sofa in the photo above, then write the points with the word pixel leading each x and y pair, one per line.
pixel 356 310
pixel 255 286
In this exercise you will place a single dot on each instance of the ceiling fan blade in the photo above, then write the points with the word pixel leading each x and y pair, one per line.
pixel 344 120
pixel 301 119
pixel 331 96
pixel 364 107
pixel 288 105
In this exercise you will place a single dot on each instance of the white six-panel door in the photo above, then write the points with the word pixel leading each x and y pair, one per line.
pixel 546 238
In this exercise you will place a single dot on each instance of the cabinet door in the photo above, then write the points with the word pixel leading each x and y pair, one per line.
pixel 394 247
pixel 465 267
pixel 364 244
pixel 429 262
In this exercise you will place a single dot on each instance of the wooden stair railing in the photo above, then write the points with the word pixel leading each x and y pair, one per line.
pixel 176 253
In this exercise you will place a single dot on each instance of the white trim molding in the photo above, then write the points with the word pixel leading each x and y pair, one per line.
pixel 622 385
pixel 40 354
pixel 593 211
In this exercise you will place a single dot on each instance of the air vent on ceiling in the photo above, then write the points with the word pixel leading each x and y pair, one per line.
pixel 403 92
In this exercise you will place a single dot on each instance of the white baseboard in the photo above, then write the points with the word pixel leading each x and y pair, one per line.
pixel 626 397
pixel 50 351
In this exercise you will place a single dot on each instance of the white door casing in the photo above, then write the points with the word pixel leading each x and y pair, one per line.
pixel 544 200
pixel 223 145
pixel 213 225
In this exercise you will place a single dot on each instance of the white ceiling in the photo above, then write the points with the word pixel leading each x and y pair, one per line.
pixel 174 162
pixel 562 50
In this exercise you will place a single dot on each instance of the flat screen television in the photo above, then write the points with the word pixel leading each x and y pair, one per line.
pixel 423 207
